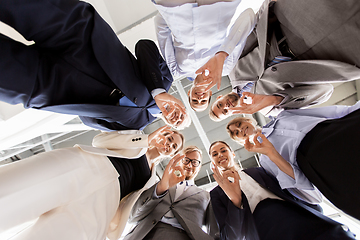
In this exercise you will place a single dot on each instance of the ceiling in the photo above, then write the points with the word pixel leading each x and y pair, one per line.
pixel 28 132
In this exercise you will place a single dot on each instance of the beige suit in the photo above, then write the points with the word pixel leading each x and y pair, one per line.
pixel 309 27
pixel 74 192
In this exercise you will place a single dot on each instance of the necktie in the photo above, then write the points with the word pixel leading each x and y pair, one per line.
pixel 246 88
pixel 279 59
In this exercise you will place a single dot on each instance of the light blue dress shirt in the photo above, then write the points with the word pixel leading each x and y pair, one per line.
pixel 286 133
pixel 189 35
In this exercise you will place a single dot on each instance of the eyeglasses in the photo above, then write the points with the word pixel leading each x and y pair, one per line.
pixel 194 162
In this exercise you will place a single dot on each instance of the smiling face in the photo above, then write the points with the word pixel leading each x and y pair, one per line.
pixel 240 130
pixel 173 142
pixel 190 171
pixel 176 119
pixel 223 103
pixel 222 156
pixel 199 99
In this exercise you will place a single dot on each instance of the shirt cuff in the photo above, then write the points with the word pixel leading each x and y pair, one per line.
pixel 157 91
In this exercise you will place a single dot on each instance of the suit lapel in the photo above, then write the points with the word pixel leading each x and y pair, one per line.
pixel 172 191
pixel 190 191
pixel 262 29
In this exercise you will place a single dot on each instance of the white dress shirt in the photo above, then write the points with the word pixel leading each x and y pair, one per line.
pixel 253 191
pixel 189 35
pixel 286 133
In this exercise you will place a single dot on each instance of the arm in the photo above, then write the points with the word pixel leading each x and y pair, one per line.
pixel 144 205
pixel 230 219
pixel 258 102
pixel 234 41
pixel 121 140
pixel 166 45
pixel 210 221
pixel 304 95
pixel 266 148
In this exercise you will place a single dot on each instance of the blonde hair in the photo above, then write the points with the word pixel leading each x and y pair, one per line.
pixel 190 149
pixel 212 114
pixel 237 120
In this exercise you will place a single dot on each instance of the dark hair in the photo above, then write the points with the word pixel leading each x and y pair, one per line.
pixel 219 142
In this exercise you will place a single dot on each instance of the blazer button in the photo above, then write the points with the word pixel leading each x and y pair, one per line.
pixel 154 222
pixel 274 69
pixel 133 140
pixel 139 138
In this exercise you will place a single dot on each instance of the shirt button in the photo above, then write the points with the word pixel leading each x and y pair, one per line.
pixel 154 222
pixel 274 69
pixel 135 100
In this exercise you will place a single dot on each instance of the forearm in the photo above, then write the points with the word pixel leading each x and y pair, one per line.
pixel 281 163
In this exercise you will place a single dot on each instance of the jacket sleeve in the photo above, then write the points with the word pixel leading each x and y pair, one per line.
pixel 235 41
pixel 210 222
pixel 128 143
pixel 230 218
pixel 166 45
pixel 144 205
pixel 304 95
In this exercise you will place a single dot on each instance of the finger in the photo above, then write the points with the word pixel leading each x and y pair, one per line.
pixel 247 144
pixel 210 86
pixel 163 109
pixel 177 159
pixel 256 141
pixel 218 83
pixel 164 128
pixel 182 108
pixel 201 70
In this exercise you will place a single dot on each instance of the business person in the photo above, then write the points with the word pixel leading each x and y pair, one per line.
pixel 75 192
pixel 78 66
pixel 175 208
pixel 251 205
pixel 290 56
pixel 193 39
pixel 304 148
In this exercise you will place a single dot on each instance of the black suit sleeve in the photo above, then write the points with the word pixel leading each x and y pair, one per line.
pixel 230 219
pixel 153 68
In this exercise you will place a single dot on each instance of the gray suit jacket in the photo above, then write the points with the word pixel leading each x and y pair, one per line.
pixel 305 81
pixel 192 209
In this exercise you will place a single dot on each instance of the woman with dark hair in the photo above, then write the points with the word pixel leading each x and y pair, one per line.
pixel 250 204
pixel 74 193
pixel 309 149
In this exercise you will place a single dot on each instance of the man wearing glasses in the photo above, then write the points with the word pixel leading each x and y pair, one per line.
pixel 175 208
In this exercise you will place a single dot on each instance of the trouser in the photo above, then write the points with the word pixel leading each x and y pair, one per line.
pixel 74 195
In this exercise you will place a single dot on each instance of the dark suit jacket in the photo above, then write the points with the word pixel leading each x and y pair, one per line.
pixel 235 223
pixel 75 63
pixel 192 209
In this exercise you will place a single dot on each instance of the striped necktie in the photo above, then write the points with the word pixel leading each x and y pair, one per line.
pixel 279 59
pixel 246 88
